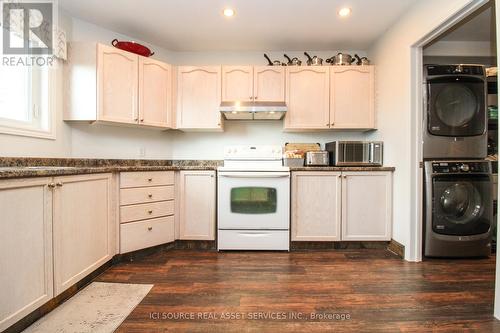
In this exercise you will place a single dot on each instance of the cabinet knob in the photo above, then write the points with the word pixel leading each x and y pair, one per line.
pixel 150 179
pixel 332 124
pixel 142 120
pixel 218 124
pixel 250 98
pixel 256 97
pixel 51 185
pixel 150 195
pixel 345 177
pixel 150 212
pixel 59 184
pixel 150 228
pixel 136 119
pixel 327 125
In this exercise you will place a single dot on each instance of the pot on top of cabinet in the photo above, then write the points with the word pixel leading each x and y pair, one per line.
pixel 273 62
pixel 293 62
pixel 313 61
pixel 341 59
pixel 362 61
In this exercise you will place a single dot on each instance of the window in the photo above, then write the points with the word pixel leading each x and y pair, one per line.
pixel 25 101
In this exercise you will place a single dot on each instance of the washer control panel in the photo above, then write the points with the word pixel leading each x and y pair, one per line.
pixel 461 167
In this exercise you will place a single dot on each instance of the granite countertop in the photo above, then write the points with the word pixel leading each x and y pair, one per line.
pixel 346 168
pixel 49 167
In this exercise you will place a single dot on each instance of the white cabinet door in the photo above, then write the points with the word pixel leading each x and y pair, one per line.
pixel 199 97
pixel 197 205
pixel 117 89
pixel 316 206
pixel 269 83
pixel 25 248
pixel 367 206
pixel 237 83
pixel 155 93
pixel 83 227
pixel 352 97
pixel 307 98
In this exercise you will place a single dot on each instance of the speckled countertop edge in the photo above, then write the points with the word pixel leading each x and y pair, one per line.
pixel 19 167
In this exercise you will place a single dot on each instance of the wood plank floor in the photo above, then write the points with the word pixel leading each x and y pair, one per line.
pixel 378 291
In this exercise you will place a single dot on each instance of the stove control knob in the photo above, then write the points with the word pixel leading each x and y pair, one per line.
pixel 464 167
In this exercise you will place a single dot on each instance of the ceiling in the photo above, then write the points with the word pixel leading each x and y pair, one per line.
pixel 273 25
pixel 479 27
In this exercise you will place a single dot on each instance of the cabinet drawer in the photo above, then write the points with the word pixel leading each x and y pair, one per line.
pixel 143 234
pixel 131 196
pixel 146 211
pixel 253 240
pixel 149 178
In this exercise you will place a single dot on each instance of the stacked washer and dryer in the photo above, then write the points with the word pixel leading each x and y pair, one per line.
pixel 458 200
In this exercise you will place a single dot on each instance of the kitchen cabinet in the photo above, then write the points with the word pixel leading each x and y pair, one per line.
pixel 155 93
pixel 316 206
pixel 352 97
pixel 199 98
pixel 367 206
pixel 26 278
pixel 237 83
pixel 107 85
pixel 197 205
pixel 83 227
pixel 269 83
pixel 307 98
pixel 147 207
pixel 247 83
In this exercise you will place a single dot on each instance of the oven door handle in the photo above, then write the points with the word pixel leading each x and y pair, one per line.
pixel 255 175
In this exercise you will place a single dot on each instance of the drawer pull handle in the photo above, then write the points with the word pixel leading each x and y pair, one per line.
pixel 150 179
pixel 150 195
pixel 150 212
pixel 150 228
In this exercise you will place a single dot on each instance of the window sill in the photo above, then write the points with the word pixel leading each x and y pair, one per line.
pixel 26 132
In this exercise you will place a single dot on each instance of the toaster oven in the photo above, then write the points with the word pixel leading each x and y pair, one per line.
pixel 356 153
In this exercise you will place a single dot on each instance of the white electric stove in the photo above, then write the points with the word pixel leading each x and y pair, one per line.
pixel 253 199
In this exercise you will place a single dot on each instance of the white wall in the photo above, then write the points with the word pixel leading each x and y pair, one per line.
pixel 461 48
pixel 393 57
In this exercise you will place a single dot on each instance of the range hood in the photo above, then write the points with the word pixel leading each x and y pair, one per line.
pixel 253 110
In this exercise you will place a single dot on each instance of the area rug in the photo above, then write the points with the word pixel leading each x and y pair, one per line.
pixel 100 308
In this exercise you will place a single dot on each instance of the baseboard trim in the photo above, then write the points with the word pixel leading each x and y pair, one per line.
pixel 396 248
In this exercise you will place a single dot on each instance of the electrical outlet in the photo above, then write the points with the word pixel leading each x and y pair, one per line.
pixel 142 152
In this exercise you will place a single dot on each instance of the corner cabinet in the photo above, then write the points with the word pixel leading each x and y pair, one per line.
pixel 316 206
pixel 352 97
pixel 83 227
pixel 105 84
pixel 197 193
pixel 367 206
pixel 307 98
pixel 26 279
pixel 199 98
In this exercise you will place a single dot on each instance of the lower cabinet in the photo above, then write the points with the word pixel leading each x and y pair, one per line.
pixel 197 205
pixel 316 206
pixel 25 248
pixel 347 206
pixel 83 227
pixel 367 206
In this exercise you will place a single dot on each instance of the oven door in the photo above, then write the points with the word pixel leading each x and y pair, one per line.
pixel 254 200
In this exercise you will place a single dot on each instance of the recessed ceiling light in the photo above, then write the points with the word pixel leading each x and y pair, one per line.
pixel 228 12
pixel 344 12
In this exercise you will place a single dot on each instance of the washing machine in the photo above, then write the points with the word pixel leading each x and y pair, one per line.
pixel 455 115
pixel 458 208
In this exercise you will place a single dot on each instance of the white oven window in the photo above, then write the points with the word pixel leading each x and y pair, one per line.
pixel 254 200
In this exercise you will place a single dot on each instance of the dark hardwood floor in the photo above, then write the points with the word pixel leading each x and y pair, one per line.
pixel 377 291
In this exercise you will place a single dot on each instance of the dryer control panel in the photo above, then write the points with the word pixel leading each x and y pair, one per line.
pixel 461 167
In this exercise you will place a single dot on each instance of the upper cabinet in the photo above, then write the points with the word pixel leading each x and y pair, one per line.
pixel 352 97
pixel 269 83
pixel 155 93
pixel 237 83
pixel 199 98
pixel 117 85
pixel 307 98
pixel 248 84
pixel 106 84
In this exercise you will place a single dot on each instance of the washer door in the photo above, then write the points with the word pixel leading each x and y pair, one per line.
pixel 456 106
pixel 462 205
